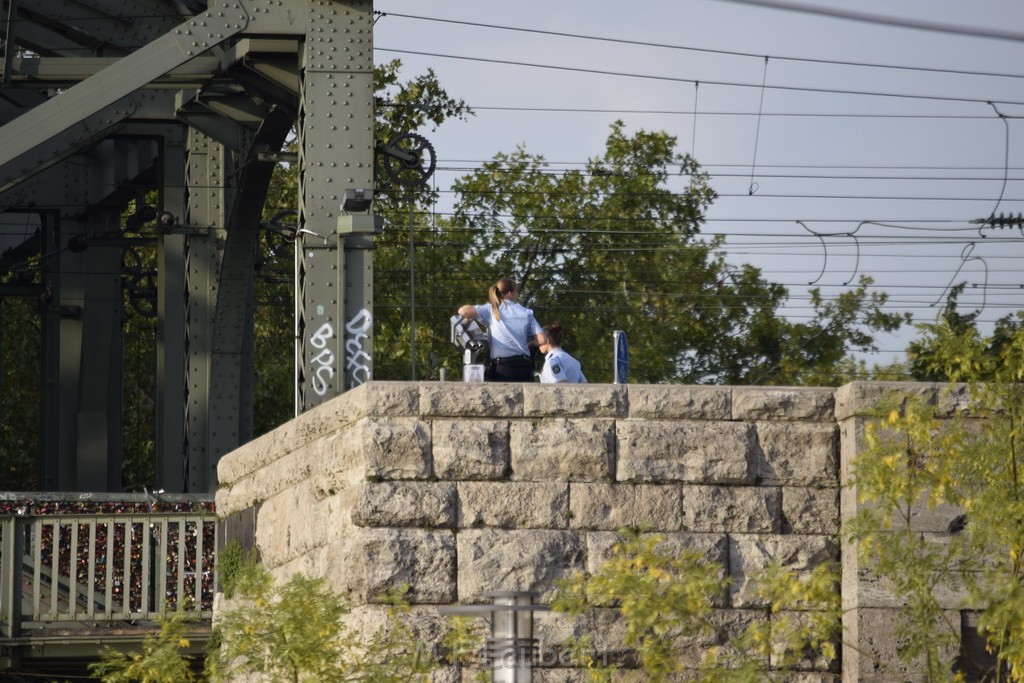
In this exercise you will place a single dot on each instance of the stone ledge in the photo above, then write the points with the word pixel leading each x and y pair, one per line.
pixel 860 399
pixel 467 400
pixel 782 403
pixel 574 400
pixel 679 401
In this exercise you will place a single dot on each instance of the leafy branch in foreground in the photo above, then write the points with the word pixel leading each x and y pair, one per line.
pixel 667 605
pixel 161 659
pixel 972 460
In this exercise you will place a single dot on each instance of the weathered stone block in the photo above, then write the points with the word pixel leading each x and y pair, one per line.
pixel 471 449
pixel 574 400
pixel 515 560
pixel 235 497
pixel 391 399
pixel 679 401
pixel 798 453
pixel 810 510
pixel 374 560
pixel 782 403
pixel 406 503
pixel 463 400
pixel 705 452
pixel 864 588
pixel 742 509
pixel 807 661
pixel 749 553
pixel 509 505
pixel 276 444
pixel 392 448
pixel 861 398
pixel 876 657
pixel 563 450
pixel 712 547
pixel 273 532
pixel 426 623
pixel 607 629
pixel 601 506
pixel 281 474
pixel 307 519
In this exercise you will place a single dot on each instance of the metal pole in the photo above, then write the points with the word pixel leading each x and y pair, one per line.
pixel 511 647
pixel 412 292
pixel 12 11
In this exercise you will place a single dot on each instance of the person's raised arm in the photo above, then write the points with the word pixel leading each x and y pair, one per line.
pixel 468 311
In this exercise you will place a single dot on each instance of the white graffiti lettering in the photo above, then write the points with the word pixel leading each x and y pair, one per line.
pixel 323 361
pixel 357 360
pixel 319 381
pixel 321 336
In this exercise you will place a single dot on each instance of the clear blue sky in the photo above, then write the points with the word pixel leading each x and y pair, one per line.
pixel 828 140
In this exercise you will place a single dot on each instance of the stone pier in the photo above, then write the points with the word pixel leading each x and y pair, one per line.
pixel 458 489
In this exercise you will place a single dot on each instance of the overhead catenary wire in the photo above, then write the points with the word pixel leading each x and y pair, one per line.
pixel 704 81
pixel 734 53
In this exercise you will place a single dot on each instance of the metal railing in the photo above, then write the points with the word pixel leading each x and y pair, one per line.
pixel 125 566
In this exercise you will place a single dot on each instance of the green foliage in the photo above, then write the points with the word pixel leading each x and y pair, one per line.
pixel 297 632
pixel 616 246
pixel 667 603
pixel 161 660
pixel 20 400
pixel 463 641
pixel 232 562
pixel 972 460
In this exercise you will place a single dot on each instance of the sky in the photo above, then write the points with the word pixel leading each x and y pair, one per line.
pixel 839 147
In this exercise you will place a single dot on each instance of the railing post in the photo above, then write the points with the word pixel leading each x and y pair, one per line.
pixel 11 553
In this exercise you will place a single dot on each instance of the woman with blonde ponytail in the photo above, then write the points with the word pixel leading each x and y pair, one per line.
pixel 513 330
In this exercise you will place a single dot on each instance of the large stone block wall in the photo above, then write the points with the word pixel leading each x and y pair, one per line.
pixel 460 489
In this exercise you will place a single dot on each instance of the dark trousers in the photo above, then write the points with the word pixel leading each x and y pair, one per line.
pixel 511 369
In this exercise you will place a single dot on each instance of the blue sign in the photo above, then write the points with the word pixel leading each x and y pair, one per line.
pixel 621 369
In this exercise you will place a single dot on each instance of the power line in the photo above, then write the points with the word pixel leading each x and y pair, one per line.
pixel 678 79
pixel 668 46
pixel 866 17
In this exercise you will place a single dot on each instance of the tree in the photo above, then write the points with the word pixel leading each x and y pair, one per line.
pixel 161 660
pixel 296 632
pixel 666 602
pixel 974 461
pixel 952 348
pixel 617 246
pixel 20 393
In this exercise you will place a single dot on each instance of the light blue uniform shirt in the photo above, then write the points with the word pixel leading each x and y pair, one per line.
pixel 559 366
pixel 510 334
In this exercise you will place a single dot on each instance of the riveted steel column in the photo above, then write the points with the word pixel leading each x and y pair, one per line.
pixel 98 425
pixel 205 176
pixel 62 328
pixel 170 326
pixel 334 292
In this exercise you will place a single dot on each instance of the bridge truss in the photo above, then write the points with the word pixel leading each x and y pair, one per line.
pixel 104 103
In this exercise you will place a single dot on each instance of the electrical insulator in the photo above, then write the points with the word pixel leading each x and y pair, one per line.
pixel 1006 221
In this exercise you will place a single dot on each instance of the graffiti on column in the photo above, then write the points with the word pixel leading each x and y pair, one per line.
pixel 357 360
pixel 323 362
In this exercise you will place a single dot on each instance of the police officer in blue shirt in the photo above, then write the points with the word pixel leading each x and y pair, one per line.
pixel 513 330
pixel 559 366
